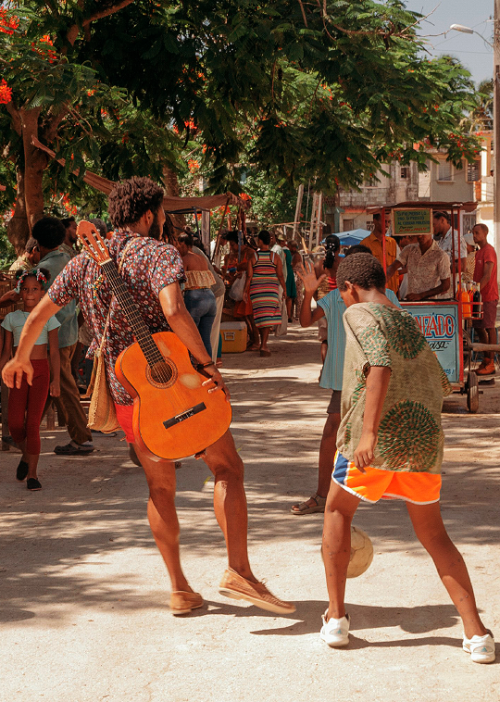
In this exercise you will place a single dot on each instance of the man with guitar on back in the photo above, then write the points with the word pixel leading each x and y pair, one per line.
pixel 152 272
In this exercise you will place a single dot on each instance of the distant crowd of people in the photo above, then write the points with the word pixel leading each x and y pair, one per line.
pixel 382 438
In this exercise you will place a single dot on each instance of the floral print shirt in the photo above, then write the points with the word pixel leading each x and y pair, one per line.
pixel 148 267
pixel 410 437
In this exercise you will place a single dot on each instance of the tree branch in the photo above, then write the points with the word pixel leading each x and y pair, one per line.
pixel 303 13
pixel 115 6
pixel 16 117
pixel 50 131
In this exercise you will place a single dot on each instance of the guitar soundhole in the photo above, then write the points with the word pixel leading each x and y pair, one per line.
pixel 162 374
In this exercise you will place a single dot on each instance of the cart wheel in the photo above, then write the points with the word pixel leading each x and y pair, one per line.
pixel 472 393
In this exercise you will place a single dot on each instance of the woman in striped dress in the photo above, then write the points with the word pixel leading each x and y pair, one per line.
pixel 264 276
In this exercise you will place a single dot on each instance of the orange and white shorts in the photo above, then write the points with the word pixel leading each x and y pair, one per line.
pixel 375 484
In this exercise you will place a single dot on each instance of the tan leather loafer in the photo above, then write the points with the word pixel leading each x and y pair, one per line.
pixel 235 586
pixel 184 602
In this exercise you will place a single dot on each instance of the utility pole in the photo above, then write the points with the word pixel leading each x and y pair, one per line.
pixel 496 126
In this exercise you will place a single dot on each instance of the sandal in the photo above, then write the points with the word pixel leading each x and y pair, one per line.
pixel 265 352
pixel 306 508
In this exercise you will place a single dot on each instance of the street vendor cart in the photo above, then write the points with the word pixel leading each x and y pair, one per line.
pixel 445 323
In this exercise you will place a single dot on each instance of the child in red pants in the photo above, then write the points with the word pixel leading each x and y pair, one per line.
pixel 27 402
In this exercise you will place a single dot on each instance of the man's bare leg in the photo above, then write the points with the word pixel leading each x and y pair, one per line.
pixel 431 532
pixel 162 515
pixel 230 503
pixel 230 506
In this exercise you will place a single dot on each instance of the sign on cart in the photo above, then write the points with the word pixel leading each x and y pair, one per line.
pixel 408 222
pixel 439 324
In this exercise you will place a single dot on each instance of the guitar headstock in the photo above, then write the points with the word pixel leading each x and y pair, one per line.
pixel 92 242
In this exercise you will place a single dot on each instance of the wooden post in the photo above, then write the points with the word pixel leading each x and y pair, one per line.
pixel 50 417
pixel 319 219
pixel 217 243
pixel 384 243
pixel 313 214
pixel 205 229
pixel 298 209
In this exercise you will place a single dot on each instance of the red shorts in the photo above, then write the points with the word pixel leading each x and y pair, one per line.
pixel 124 414
pixel 489 315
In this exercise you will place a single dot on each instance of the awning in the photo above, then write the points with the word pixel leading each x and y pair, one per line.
pixel 353 236
pixel 427 205
pixel 170 204
pixel 184 205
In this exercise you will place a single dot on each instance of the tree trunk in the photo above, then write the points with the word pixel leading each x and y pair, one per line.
pixel 17 229
pixel 35 163
pixel 172 190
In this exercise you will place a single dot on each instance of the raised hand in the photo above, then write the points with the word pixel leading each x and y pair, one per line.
pixel 307 275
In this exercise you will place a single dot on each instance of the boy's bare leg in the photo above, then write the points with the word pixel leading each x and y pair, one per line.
pixel 230 503
pixel 163 516
pixel 336 547
pixel 431 532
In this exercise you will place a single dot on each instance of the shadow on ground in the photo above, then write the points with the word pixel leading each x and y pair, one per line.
pixel 93 507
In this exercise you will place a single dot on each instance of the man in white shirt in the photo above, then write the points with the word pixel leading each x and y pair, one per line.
pixel 279 250
pixel 428 270
pixel 443 233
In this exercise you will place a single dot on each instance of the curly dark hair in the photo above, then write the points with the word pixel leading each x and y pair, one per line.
pixel 67 221
pixel 265 237
pixel 129 200
pixel 168 235
pixel 357 248
pixel 332 245
pixel 185 238
pixel 231 236
pixel 49 232
pixel 363 270
pixel 31 273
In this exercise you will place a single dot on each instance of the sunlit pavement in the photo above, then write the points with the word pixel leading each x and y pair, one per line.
pixel 84 593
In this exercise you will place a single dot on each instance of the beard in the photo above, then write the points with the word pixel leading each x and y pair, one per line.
pixel 154 230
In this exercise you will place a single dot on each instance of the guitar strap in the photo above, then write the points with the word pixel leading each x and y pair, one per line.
pixel 106 326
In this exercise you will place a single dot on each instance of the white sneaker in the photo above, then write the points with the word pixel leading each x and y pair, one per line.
pixel 481 648
pixel 335 632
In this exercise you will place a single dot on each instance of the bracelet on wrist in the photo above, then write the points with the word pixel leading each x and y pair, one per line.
pixel 202 366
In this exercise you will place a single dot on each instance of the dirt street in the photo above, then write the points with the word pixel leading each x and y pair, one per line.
pixel 84 606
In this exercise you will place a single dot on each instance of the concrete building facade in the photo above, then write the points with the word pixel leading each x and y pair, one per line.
pixel 397 183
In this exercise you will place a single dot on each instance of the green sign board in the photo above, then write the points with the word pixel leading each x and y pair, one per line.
pixel 409 222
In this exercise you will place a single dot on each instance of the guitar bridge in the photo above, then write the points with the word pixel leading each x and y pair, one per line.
pixel 184 415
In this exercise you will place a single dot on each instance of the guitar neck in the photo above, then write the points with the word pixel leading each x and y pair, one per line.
pixel 131 311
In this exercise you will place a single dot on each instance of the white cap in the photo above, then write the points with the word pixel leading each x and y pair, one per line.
pixel 469 239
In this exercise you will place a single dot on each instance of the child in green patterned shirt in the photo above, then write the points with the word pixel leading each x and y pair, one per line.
pixel 390 445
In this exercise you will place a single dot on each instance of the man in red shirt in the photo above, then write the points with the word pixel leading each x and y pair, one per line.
pixel 485 273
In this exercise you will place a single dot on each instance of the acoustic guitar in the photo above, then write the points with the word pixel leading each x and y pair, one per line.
pixel 174 415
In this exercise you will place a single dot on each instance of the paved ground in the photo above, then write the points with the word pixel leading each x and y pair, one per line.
pixel 84 605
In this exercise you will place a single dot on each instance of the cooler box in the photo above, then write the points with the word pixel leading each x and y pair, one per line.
pixel 234 337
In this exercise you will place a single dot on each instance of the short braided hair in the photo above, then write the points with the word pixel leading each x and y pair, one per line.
pixel 132 198
pixel 361 269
